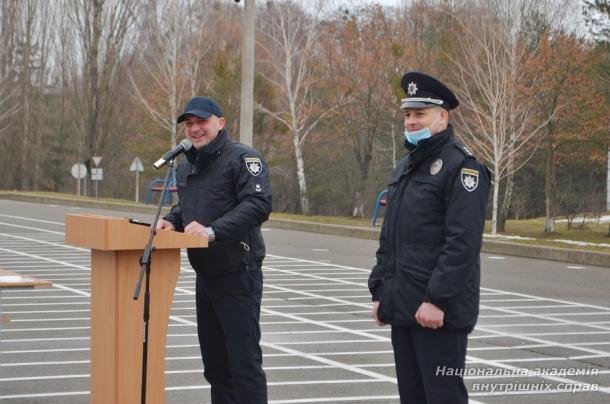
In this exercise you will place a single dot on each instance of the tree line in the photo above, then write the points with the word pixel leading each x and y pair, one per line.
pixel 83 78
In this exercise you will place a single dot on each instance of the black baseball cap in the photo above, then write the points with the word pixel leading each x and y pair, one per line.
pixel 202 107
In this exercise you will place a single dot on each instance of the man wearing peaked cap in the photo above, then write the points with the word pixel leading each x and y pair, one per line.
pixel 224 195
pixel 424 91
pixel 425 283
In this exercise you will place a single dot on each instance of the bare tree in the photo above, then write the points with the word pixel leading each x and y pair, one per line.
pixel 25 37
pixel 26 88
pixel 495 86
pixel 102 32
pixel 363 59
pixel 41 42
pixel 9 105
pixel 8 31
pixel 6 109
pixel 289 47
pixel 569 66
pixel 175 47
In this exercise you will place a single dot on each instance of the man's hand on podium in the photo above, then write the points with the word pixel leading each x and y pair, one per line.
pixel 163 224
pixel 196 229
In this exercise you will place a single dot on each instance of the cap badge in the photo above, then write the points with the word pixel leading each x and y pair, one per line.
pixel 436 166
pixel 412 88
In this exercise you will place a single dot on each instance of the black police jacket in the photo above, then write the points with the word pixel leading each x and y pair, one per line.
pixel 224 185
pixel 432 233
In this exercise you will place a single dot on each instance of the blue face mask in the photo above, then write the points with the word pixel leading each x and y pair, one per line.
pixel 418 135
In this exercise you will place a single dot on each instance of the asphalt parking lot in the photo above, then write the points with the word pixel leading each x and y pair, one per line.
pixel 543 335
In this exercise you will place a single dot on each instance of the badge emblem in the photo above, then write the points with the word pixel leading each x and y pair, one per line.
pixel 412 89
pixel 470 179
pixel 254 165
pixel 436 166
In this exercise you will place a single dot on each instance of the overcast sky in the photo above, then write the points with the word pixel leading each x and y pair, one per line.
pixel 383 2
pixel 311 3
pixel 574 8
pixel 362 2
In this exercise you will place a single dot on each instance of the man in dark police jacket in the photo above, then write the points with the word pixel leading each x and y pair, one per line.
pixel 224 195
pixel 426 280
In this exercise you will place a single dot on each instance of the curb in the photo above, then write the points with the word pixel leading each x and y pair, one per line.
pixel 547 253
pixel 126 207
pixel 489 246
pixel 323 228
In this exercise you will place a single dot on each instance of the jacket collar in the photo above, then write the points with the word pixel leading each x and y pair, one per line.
pixel 429 146
pixel 196 156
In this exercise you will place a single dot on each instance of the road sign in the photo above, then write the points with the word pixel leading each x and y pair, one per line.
pixel 96 160
pixel 136 165
pixel 79 171
pixel 97 174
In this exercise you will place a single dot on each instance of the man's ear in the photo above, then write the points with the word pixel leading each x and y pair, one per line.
pixel 221 121
pixel 444 117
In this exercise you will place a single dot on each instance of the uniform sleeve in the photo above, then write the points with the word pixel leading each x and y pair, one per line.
pixel 175 217
pixel 463 234
pixel 253 190
pixel 376 276
pixel 378 271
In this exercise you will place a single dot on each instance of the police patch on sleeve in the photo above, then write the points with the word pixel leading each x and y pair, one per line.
pixel 254 165
pixel 470 179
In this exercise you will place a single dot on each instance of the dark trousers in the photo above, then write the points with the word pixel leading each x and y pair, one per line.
pixel 228 313
pixel 424 357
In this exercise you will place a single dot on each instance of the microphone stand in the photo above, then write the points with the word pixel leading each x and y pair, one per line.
pixel 145 261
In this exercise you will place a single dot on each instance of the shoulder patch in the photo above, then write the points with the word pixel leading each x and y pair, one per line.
pixel 469 178
pixel 253 165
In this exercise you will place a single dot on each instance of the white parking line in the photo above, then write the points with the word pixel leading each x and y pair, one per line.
pixel 297 275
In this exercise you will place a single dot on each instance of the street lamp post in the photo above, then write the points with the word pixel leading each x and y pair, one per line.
pixel 247 74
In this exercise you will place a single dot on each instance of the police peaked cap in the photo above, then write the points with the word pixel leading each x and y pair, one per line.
pixel 424 91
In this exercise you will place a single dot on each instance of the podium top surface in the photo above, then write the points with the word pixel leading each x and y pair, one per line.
pixel 109 233
pixel 10 279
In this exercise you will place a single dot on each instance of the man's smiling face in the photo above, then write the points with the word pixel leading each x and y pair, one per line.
pixel 202 131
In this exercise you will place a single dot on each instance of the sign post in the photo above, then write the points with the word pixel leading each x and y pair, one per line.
pixel 137 166
pixel 247 73
pixel 96 173
pixel 78 171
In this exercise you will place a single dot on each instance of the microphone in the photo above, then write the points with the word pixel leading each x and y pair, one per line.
pixel 172 154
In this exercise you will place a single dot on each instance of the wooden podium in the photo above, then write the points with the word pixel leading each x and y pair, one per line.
pixel 117 327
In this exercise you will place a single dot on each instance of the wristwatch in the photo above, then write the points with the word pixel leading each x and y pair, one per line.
pixel 211 234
